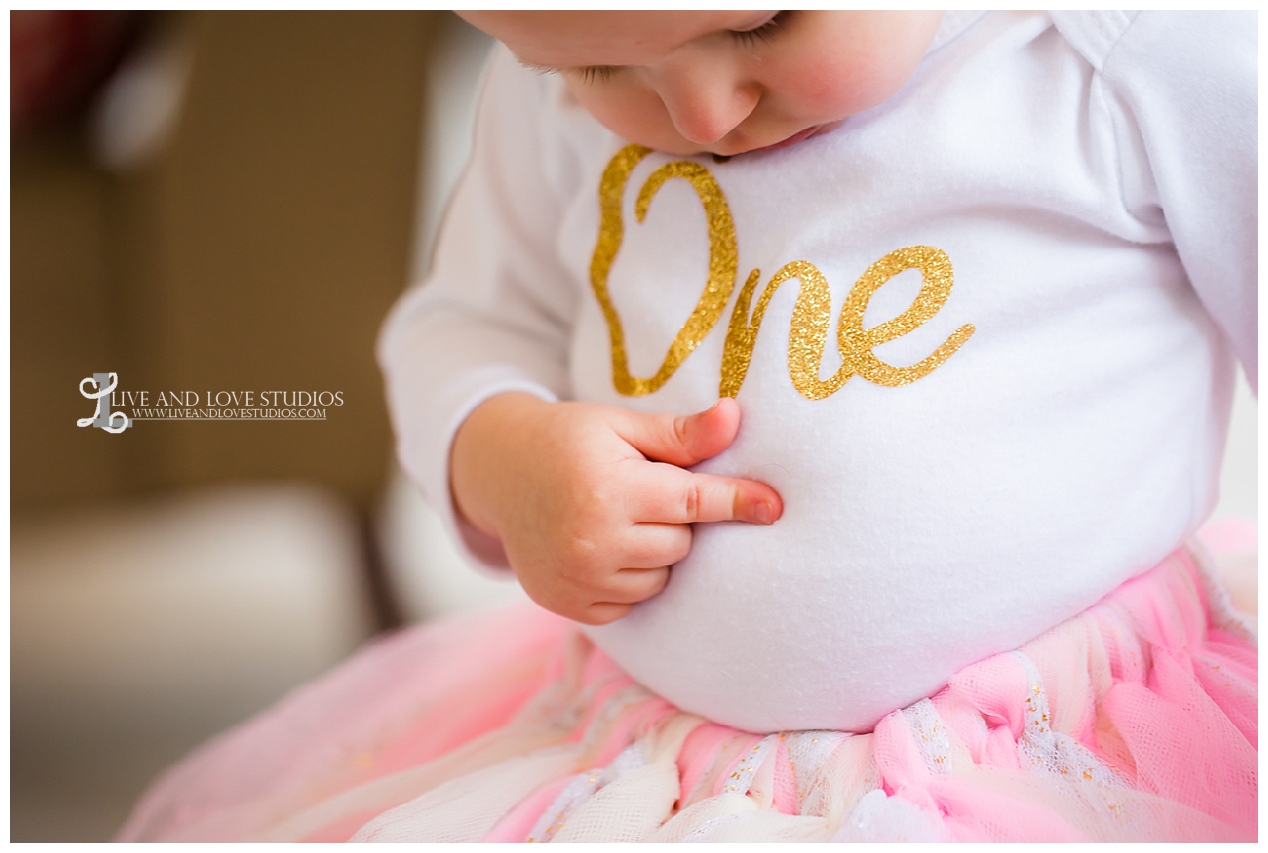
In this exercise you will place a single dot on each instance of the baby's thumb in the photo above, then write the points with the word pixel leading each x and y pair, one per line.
pixel 683 441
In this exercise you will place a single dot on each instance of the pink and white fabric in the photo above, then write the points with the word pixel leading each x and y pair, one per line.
pixel 1134 721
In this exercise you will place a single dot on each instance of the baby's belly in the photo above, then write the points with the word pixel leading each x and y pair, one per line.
pixel 779 629
pixel 901 558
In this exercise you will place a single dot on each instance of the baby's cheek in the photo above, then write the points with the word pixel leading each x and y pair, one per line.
pixel 633 112
pixel 834 88
pixel 856 60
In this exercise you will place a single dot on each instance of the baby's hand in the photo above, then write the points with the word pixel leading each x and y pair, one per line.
pixel 591 503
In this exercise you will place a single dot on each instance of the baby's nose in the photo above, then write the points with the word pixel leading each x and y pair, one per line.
pixel 705 107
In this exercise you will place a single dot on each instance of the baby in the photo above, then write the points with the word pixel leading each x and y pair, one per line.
pixel 1033 245
pixel 858 380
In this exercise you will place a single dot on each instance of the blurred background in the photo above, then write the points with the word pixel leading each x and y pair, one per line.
pixel 224 200
pixel 227 201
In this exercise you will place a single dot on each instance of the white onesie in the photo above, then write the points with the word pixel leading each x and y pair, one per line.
pixel 982 335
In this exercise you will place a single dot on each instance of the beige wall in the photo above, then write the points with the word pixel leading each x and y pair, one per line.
pixel 260 251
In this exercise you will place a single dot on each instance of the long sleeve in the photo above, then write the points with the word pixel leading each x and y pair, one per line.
pixel 494 314
pixel 1184 90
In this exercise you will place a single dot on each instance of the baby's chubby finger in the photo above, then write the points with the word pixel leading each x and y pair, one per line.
pixel 649 545
pixel 600 613
pixel 674 496
pixel 712 498
pixel 682 440
pixel 630 586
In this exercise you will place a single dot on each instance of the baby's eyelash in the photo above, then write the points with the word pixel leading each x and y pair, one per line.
pixel 763 33
pixel 596 73
pixel 587 74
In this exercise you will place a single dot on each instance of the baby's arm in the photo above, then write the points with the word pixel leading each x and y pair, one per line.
pixel 1183 89
pixel 589 501
pixel 495 313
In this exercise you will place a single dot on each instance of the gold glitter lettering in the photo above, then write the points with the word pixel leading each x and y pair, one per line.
pixel 808 331
pixel 722 261
pixel 856 343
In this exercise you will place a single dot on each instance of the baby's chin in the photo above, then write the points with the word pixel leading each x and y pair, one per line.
pixel 738 144
pixel 795 139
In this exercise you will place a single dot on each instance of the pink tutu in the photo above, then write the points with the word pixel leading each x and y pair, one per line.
pixel 1134 721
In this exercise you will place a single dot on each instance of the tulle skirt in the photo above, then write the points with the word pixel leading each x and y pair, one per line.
pixel 1134 721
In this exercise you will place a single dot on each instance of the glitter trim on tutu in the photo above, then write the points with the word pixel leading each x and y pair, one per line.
pixel 1134 721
